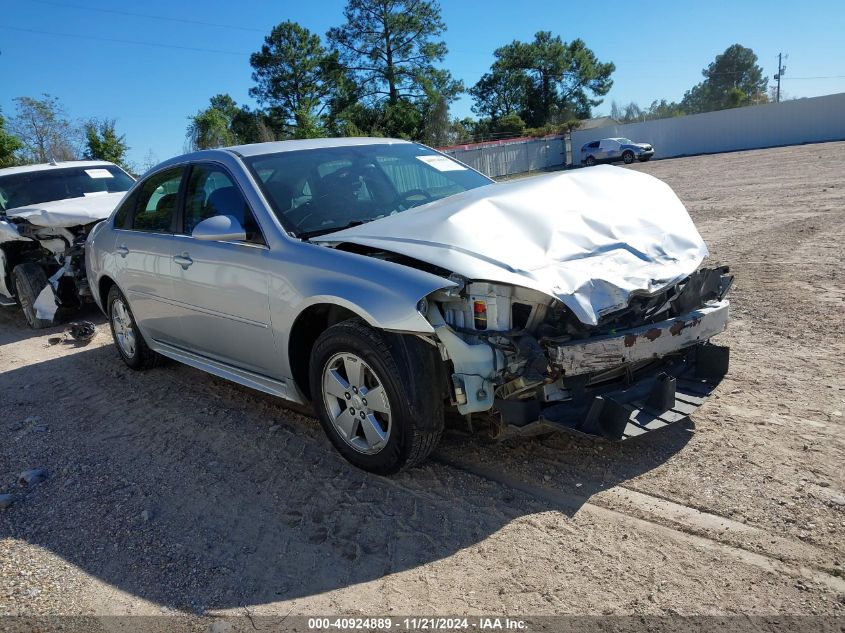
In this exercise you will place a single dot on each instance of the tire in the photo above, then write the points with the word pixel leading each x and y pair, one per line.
pixel 590 161
pixel 128 340
pixel 29 280
pixel 628 157
pixel 407 419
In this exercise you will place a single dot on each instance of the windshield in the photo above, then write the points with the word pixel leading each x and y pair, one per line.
pixel 34 187
pixel 319 191
pixel 625 141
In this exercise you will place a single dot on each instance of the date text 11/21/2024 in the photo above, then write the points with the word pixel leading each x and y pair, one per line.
pixel 418 624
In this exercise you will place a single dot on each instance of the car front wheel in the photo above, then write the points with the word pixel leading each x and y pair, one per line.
pixel 30 280
pixel 590 161
pixel 377 396
pixel 628 158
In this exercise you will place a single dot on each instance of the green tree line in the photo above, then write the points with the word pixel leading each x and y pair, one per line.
pixel 380 73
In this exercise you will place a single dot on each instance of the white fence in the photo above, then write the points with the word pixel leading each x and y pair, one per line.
pixel 812 120
pixel 512 157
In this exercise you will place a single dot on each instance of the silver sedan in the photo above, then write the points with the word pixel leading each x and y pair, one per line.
pixel 383 283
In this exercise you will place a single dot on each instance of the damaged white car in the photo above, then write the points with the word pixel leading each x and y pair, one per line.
pixel 385 283
pixel 46 212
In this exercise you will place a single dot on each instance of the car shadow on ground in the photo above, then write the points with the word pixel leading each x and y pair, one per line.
pixel 196 494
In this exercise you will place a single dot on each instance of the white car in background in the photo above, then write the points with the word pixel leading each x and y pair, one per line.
pixel 610 150
pixel 46 212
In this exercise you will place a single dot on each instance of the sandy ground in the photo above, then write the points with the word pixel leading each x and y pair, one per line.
pixel 172 491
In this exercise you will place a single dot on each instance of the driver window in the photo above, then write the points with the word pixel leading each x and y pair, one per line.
pixel 212 192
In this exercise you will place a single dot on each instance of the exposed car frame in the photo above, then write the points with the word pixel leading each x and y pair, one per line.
pixel 42 261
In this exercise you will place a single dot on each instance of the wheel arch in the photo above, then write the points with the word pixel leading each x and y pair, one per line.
pixel 104 285
pixel 306 329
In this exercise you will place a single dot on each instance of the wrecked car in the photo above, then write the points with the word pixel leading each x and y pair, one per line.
pixel 46 212
pixel 385 283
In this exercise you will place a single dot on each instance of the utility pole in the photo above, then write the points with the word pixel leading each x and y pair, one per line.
pixel 781 69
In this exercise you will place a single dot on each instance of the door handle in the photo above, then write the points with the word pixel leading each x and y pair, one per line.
pixel 183 260
pixel 122 250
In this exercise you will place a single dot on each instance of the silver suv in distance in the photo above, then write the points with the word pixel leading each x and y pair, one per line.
pixel 610 150
pixel 384 282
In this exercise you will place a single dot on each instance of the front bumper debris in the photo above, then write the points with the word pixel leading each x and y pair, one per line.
pixel 656 397
pixel 642 343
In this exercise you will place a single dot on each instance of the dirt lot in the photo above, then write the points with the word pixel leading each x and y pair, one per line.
pixel 172 491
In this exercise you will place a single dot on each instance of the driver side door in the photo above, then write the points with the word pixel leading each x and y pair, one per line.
pixel 223 286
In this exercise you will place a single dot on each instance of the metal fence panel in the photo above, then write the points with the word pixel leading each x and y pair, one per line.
pixel 812 120
pixel 505 159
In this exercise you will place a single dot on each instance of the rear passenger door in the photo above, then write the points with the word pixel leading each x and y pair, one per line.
pixel 143 247
pixel 223 287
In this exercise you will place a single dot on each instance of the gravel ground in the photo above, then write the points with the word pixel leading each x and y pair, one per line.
pixel 174 492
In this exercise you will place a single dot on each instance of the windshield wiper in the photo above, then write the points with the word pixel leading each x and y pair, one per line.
pixel 309 234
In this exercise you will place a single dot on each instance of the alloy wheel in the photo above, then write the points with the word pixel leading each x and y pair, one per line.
pixel 356 403
pixel 124 334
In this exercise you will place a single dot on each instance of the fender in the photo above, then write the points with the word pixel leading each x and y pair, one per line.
pixel 384 294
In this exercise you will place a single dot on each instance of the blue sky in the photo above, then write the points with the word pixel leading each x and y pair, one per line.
pixel 659 49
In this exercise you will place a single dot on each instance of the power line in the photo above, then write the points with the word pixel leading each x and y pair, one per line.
pixel 225 52
pixel 122 41
pixel 149 16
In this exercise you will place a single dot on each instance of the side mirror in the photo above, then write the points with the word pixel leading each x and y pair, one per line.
pixel 219 228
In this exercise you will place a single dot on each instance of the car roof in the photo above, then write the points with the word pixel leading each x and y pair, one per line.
pixel 23 169
pixel 273 147
pixel 257 149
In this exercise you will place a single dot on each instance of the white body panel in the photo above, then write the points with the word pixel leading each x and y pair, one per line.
pixel 70 212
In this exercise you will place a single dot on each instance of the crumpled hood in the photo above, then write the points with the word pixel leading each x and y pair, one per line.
pixel 589 238
pixel 70 212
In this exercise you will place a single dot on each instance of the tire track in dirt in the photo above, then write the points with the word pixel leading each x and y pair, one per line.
pixel 688 520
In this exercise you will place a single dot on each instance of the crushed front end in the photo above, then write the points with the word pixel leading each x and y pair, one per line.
pixel 523 361
pixel 58 251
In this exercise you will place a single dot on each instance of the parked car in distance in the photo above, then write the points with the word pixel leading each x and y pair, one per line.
pixel 384 282
pixel 610 150
pixel 46 212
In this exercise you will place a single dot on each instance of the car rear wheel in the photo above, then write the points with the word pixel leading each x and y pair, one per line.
pixel 628 157
pixel 128 339
pixel 590 161
pixel 376 396
pixel 30 280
